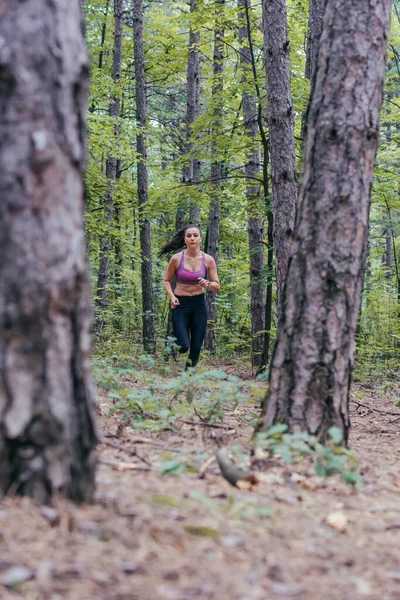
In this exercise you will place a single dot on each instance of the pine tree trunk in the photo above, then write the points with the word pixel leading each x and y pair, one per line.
pixel 142 181
pixel 281 131
pixel 191 171
pixel 214 216
pixel 314 354
pixel 47 429
pixel 254 209
pixel 111 175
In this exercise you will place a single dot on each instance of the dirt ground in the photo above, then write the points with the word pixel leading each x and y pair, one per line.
pixel 193 536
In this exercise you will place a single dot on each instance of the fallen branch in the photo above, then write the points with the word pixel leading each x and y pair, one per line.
pixel 377 410
pixel 205 424
pixel 130 439
pixel 146 441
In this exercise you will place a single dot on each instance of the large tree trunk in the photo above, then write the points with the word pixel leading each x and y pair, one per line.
pixel 191 170
pixel 314 354
pixel 281 131
pixel 142 181
pixel 47 430
pixel 111 175
pixel 254 208
pixel 214 217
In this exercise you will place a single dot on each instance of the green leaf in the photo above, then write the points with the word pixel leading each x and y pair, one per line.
pixel 320 469
pixel 351 477
pixel 336 435
pixel 277 430
pixel 202 531
pixel 170 467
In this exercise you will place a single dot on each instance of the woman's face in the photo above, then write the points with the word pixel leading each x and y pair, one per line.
pixel 192 237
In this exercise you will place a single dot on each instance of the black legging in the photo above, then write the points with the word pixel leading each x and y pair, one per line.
pixel 189 321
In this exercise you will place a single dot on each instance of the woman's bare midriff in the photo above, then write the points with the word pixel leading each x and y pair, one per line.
pixel 188 290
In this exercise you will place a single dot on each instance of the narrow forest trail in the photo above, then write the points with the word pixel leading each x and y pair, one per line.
pixel 184 536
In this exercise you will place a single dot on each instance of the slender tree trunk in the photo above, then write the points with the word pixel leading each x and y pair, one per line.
pixel 118 256
pixel 314 354
pixel 254 209
pixel 142 181
pixel 387 258
pixel 47 429
pixel 102 41
pixel 191 171
pixel 103 35
pixel 270 264
pixel 316 11
pixel 281 131
pixel 111 175
pixel 395 257
pixel 214 217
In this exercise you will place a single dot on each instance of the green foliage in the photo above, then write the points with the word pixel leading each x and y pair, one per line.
pixel 329 459
pixel 158 404
pixel 166 46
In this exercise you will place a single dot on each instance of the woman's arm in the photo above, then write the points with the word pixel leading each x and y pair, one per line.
pixel 213 285
pixel 169 273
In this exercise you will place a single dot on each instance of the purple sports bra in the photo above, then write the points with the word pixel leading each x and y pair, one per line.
pixel 185 277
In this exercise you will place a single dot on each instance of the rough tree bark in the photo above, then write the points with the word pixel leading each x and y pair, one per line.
pixel 190 212
pixel 214 217
pixel 47 430
pixel 281 131
pixel 142 181
pixel 111 175
pixel 314 354
pixel 252 171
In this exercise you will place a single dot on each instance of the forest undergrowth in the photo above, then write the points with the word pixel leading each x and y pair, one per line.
pixel 167 525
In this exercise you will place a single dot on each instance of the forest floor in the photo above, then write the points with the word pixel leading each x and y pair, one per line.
pixel 191 535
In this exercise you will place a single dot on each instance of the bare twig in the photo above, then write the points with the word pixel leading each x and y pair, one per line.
pixel 205 465
pixel 129 451
pixel 125 466
pixel 205 424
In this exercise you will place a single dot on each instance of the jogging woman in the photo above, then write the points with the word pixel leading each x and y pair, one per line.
pixel 189 309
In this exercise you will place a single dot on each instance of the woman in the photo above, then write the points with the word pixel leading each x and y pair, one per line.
pixel 189 309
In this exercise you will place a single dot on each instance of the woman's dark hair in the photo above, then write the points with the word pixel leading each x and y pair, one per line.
pixel 178 241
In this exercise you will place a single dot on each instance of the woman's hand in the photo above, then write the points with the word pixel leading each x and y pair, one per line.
pixel 174 302
pixel 204 282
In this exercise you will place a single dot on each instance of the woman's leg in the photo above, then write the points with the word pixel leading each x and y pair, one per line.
pixel 180 325
pixel 197 328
